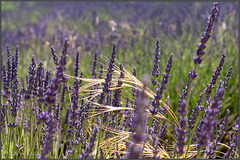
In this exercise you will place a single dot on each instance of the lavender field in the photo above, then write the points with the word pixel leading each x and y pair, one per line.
pixel 120 80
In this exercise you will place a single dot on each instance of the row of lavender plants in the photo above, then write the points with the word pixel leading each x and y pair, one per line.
pixel 91 27
pixel 55 115
pixel 99 33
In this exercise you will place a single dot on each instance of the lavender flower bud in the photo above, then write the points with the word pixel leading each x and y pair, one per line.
pixel 192 75
pixel 12 125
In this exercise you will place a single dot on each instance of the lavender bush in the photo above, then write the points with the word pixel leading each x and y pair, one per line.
pixel 57 113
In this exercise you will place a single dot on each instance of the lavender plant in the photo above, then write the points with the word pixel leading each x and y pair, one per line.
pixel 62 115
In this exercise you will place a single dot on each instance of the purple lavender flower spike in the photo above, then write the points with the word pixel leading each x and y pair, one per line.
pixel 94 72
pixel 117 92
pixel 57 116
pixel 40 77
pixel 209 121
pixel 9 71
pixel 108 79
pixel 67 115
pixel 215 76
pixel 17 57
pixel 223 127
pixel 200 52
pixel 139 121
pixel 212 147
pixel 3 114
pixel 80 81
pixel 159 90
pixel 89 146
pixel 75 97
pixel 5 80
pixel 161 133
pixel 111 69
pixel 13 67
pixel 63 92
pixel 135 75
pixel 227 78
pixel 184 94
pixel 76 68
pixel 101 71
pixel 51 94
pixel 48 79
pixel 15 90
pixel 32 78
pixel 181 136
pixel 50 137
pixel 235 143
pixel 75 89
pixel 206 35
pixel 155 144
pixel 194 114
pixel 155 72
pixel 59 88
